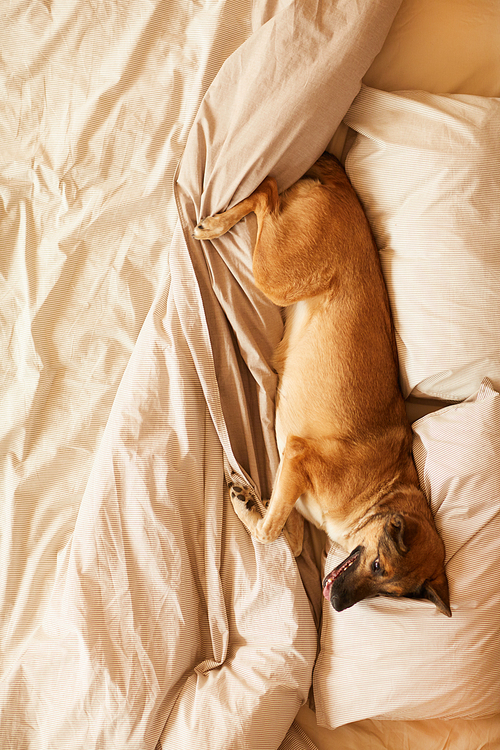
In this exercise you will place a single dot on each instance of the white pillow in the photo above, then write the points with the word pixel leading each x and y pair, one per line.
pixel 401 659
pixel 427 170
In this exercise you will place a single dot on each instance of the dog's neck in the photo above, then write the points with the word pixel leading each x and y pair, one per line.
pixel 403 498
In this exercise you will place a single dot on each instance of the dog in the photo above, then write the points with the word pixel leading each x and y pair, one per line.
pixel 344 438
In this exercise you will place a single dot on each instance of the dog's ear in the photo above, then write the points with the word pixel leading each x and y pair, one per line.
pixel 396 528
pixel 437 592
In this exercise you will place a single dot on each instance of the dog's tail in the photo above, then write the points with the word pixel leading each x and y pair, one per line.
pixel 328 170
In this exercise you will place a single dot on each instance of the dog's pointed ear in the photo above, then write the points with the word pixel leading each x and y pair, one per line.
pixel 437 592
pixel 395 528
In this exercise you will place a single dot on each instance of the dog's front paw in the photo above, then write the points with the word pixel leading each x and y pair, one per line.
pixel 245 506
pixel 242 495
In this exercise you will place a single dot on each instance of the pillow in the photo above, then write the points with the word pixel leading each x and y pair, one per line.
pixel 401 659
pixel 427 170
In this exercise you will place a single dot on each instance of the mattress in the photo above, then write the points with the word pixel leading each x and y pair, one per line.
pixel 137 379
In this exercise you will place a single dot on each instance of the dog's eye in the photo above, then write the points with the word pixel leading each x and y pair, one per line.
pixel 376 566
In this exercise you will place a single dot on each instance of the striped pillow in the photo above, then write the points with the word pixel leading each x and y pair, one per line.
pixel 401 659
pixel 427 170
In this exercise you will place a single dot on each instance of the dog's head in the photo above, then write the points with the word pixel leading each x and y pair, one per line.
pixel 396 554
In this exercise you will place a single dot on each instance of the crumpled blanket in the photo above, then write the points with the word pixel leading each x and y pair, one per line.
pixel 168 626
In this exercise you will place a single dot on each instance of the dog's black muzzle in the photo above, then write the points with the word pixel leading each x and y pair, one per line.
pixel 335 584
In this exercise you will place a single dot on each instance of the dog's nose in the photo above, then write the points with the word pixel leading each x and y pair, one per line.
pixel 337 603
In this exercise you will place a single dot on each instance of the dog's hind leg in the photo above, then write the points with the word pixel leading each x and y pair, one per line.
pixel 264 200
pixel 317 242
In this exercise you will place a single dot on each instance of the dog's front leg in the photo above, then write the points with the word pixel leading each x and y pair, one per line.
pixel 289 485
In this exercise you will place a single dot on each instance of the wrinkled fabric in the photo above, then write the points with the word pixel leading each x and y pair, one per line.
pixel 134 605
pixel 159 621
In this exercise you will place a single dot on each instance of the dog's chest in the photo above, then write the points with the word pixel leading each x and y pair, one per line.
pixel 308 506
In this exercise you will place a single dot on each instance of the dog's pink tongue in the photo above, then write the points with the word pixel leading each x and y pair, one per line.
pixel 327 589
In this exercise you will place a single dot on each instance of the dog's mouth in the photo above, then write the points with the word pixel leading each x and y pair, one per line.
pixel 339 571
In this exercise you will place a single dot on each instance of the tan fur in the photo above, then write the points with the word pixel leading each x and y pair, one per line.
pixel 344 438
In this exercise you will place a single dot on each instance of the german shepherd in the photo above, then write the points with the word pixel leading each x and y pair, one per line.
pixel 342 431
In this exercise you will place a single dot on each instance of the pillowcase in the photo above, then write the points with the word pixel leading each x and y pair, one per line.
pixel 427 170
pixel 401 659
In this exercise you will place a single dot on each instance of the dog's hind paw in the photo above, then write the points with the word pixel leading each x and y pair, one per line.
pixel 208 229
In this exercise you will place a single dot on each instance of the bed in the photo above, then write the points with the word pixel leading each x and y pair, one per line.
pixel 136 371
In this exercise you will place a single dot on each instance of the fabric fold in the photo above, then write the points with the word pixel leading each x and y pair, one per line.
pixel 166 617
